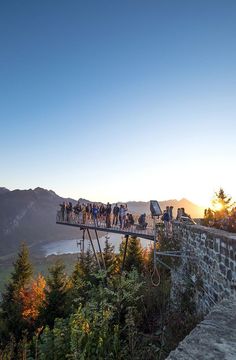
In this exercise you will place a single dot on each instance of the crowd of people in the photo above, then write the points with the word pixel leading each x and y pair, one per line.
pixel 118 215
pixel 114 216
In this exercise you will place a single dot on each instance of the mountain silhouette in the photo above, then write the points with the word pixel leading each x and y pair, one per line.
pixel 3 190
pixel 30 216
pixel 192 209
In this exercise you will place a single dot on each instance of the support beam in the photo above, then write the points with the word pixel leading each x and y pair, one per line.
pixel 82 249
pixel 155 243
pixel 95 254
pixel 100 250
pixel 126 244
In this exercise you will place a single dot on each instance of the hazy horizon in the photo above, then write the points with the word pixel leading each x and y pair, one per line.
pixel 115 201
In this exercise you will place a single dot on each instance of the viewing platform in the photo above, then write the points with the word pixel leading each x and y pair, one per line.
pixel 133 230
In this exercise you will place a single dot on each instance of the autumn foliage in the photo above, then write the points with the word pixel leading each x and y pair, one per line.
pixel 32 298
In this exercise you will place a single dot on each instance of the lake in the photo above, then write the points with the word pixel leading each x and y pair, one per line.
pixel 70 246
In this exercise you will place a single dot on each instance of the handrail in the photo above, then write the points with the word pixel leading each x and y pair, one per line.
pixel 75 219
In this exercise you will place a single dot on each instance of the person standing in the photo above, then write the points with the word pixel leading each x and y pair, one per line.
pixel 63 207
pixel 68 210
pixel 95 214
pixel 178 217
pixel 115 215
pixel 166 219
pixel 87 212
pixel 83 213
pixel 108 215
pixel 121 216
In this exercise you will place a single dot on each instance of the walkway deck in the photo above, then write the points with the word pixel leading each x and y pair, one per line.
pixel 148 233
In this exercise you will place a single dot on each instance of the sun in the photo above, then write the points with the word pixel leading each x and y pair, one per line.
pixel 218 206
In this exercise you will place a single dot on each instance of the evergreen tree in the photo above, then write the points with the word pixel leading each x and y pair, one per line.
pixel 222 205
pixel 56 302
pixel 109 258
pixel 134 255
pixel 12 320
pixel 23 269
pixel 82 278
pixel 222 202
pixel 84 268
pixel 86 265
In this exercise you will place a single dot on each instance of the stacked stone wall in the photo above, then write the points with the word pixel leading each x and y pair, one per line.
pixel 209 261
pixel 214 338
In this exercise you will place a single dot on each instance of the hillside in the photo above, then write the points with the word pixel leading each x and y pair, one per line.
pixel 29 215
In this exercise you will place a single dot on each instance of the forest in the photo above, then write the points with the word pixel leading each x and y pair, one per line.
pixel 92 313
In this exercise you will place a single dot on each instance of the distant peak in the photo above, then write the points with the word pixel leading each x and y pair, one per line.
pixel 3 190
pixel 39 189
pixel 185 200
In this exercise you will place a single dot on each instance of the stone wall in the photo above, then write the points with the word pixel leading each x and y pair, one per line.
pixel 208 262
pixel 213 339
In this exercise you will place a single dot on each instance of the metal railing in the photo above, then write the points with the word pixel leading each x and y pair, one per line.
pixel 100 224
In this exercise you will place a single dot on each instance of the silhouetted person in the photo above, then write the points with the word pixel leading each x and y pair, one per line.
pixel 179 214
pixel 166 219
pixel 108 215
pixel 68 211
pixel 142 221
pixel 63 207
pixel 129 220
pixel 115 215
pixel 95 211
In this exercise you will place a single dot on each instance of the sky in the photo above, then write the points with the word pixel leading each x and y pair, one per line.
pixel 119 100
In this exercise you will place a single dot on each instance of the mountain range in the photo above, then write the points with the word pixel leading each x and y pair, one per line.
pixel 30 216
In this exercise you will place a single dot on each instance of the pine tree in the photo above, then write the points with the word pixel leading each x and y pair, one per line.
pixel 222 202
pixel 82 278
pixel 56 302
pixel 109 258
pixel 134 255
pixel 23 269
pixel 84 267
pixel 12 320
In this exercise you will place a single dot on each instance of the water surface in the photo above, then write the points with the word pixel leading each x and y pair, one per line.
pixel 71 247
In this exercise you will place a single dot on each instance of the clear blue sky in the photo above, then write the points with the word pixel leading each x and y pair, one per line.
pixel 119 100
